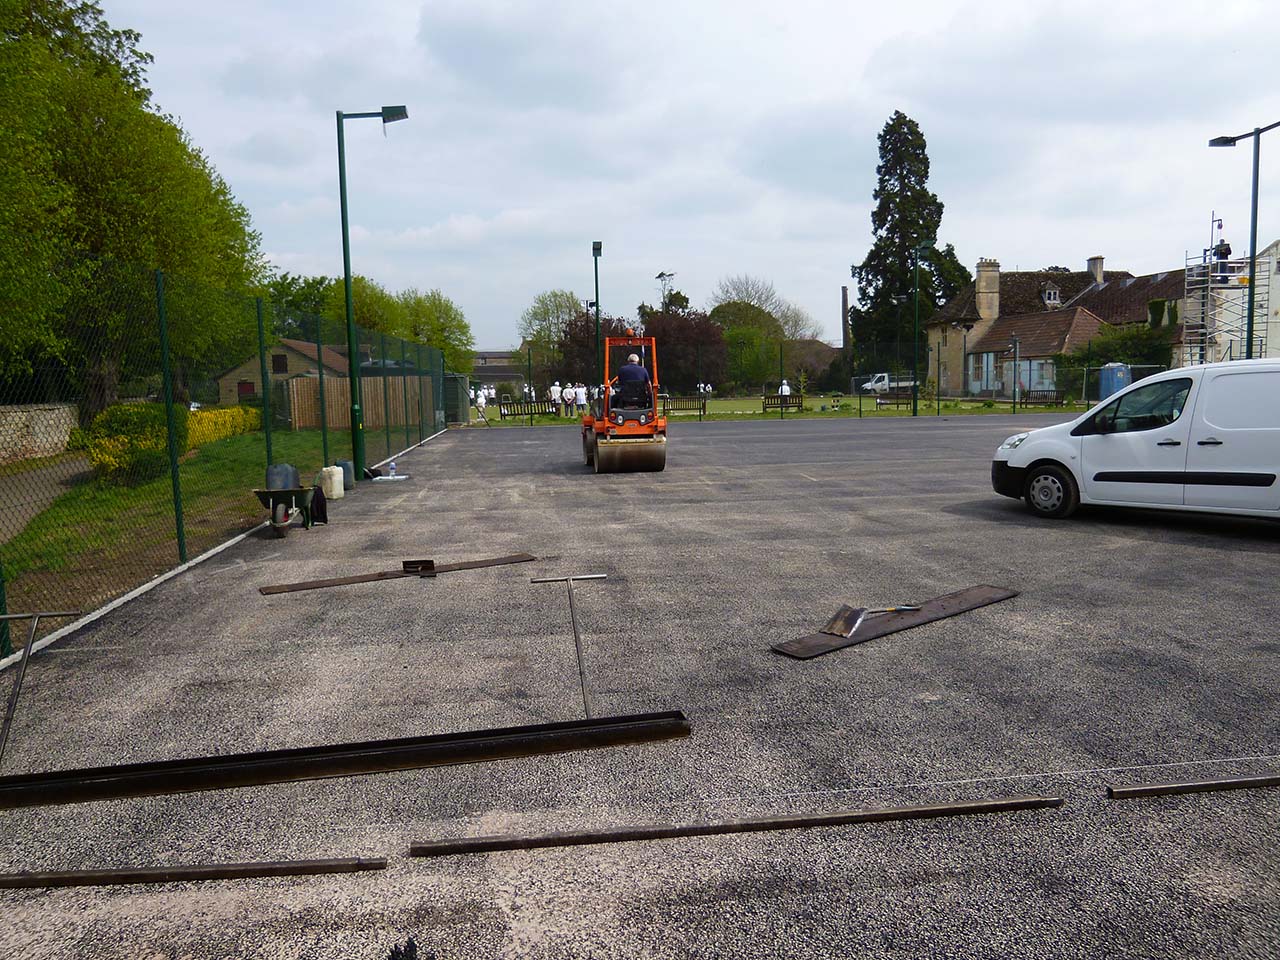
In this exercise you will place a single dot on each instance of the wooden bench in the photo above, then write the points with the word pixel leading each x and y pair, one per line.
pixel 524 408
pixel 897 398
pixel 693 404
pixel 793 402
pixel 1047 398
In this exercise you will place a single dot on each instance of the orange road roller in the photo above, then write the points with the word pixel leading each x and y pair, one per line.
pixel 624 430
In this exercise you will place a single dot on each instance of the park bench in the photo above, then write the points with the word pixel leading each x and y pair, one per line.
pixel 525 408
pixel 793 402
pixel 1047 398
pixel 692 404
pixel 897 398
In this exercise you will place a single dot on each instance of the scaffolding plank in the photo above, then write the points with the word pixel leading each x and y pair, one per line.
pixel 413 568
pixel 663 831
pixel 939 608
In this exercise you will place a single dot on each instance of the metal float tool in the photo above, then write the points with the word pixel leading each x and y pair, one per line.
pixel 35 619
pixel 190 775
pixel 409 568
pixel 892 620
pixel 664 831
pixel 577 637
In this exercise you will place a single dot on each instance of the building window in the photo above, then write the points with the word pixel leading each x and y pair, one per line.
pixel 245 388
pixel 944 336
pixel 279 363
pixel 1051 295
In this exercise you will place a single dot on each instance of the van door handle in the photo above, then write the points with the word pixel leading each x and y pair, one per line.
pixel 1210 442
pixel 1169 443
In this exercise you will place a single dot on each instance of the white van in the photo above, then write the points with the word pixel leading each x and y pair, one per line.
pixel 1204 438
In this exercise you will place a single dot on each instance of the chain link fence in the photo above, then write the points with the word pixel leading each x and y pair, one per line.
pixel 136 446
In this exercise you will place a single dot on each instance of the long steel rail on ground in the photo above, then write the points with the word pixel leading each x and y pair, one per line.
pixel 338 760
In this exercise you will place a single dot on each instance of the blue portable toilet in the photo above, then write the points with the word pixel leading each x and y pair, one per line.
pixel 1114 377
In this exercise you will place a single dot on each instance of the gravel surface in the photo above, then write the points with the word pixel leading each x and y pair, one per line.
pixel 1139 639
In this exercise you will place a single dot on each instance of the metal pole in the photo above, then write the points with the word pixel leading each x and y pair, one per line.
pixel 404 390
pixel 938 390
pixel 168 415
pixel 324 415
pixel 353 352
pixel 782 414
pixel 22 666
pixel 5 644
pixel 530 358
pixel 915 347
pixel 702 394
pixel 422 401
pixel 386 394
pixel 596 248
pixel 1016 344
pixel 266 383
pixel 1253 246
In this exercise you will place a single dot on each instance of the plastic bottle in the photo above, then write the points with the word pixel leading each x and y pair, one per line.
pixel 391 467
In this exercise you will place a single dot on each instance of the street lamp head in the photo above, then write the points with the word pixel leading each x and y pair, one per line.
pixel 1222 142
pixel 392 114
pixel 596 248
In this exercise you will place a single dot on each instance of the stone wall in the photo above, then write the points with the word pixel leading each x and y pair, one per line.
pixel 35 430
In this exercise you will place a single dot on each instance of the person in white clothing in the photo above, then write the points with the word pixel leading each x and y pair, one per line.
pixel 784 390
pixel 554 394
pixel 481 400
pixel 580 394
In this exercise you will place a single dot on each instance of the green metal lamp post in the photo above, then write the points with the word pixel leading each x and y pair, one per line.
pixel 386 115
pixel 1253 223
pixel 596 249
pixel 915 336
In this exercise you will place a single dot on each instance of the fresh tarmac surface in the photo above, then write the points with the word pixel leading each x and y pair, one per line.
pixel 1139 640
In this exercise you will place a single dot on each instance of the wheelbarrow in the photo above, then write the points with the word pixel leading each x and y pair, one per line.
pixel 286 504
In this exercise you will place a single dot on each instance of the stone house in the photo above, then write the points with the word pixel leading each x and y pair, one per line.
pixel 1046 305
pixel 285 359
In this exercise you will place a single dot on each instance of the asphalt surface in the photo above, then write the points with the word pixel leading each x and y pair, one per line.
pixel 1139 640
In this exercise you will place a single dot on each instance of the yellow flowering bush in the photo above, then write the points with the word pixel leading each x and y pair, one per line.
pixel 206 426
pixel 128 442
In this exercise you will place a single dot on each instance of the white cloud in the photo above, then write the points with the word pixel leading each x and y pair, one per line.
pixel 712 138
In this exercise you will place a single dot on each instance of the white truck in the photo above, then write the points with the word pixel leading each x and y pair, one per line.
pixel 882 383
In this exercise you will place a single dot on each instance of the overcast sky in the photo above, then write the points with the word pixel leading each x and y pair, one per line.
pixel 709 137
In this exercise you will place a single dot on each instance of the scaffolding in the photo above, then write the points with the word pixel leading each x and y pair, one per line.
pixel 1217 307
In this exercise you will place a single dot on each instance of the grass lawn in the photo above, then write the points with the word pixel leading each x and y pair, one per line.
pixel 749 408
pixel 99 540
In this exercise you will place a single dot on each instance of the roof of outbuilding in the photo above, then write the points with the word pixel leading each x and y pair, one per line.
pixel 1020 292
pixel 1119 302
pixel 1042 333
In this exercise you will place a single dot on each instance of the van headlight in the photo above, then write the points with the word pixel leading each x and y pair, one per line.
pixel 1014 442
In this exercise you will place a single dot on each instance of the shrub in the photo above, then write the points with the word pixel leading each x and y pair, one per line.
pixel 77 439
pixel 207 426
pixel 128 442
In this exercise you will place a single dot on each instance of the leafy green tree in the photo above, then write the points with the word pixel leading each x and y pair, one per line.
pixel 298 302
pixel 737 313
pixel 907 215
pixel 795 322
pixel 35 211
pixel 542 328
pixel 437 321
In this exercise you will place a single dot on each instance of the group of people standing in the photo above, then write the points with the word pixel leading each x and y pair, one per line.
pixel 571 398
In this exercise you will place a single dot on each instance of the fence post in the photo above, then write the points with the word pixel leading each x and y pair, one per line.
pixel 405 389
pixel 324 415
pixel 168 415
pixel 441 421
pixel 782 414
pixel 531 381
pixel 422 399
pixel 5 647
pixel 386 394
pixel 266 383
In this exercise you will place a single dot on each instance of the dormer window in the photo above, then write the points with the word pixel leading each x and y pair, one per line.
pixel 1049 293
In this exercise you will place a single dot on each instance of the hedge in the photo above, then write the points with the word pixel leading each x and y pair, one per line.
pixel 128 442
pixel 206 426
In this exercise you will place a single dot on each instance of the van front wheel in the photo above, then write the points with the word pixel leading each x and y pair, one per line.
pixel 1051 491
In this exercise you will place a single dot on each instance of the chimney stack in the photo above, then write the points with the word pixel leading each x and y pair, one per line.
pixel 987 289
pixel 1095 268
